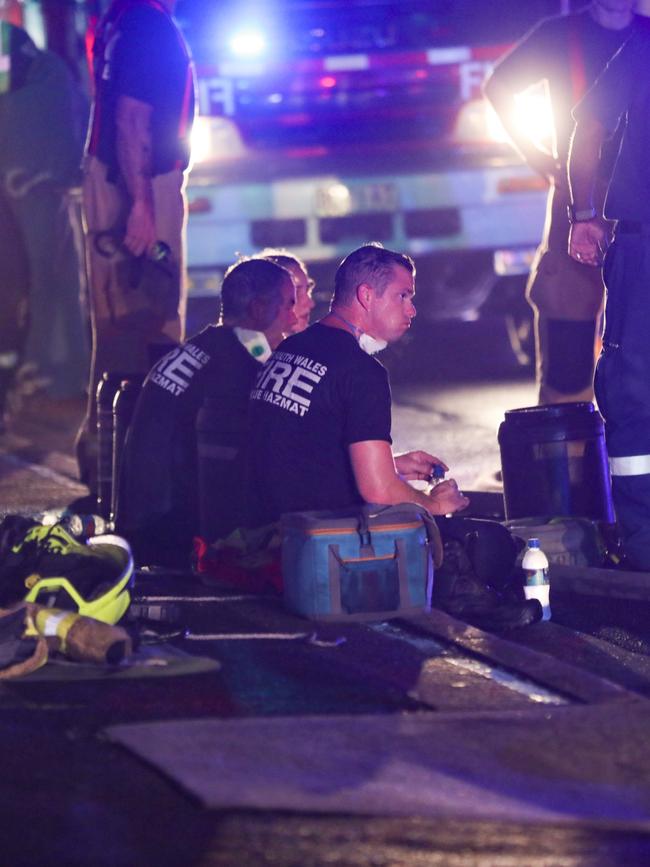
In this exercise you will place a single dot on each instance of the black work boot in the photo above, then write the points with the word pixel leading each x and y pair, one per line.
pixel 458 591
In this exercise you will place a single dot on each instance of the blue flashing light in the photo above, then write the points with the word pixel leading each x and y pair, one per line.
pixel 248 43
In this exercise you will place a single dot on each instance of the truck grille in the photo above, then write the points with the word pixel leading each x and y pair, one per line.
pixel 278 233
pixel 432 222
pixel 356 227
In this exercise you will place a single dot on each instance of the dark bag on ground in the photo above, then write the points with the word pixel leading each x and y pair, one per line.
pixel 370 563
pixel 485 548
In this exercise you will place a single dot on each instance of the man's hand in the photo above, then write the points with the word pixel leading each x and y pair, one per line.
pixel 374 469
pixel 588 242
pixel 140 233
pixel 446 498
pixel 417 465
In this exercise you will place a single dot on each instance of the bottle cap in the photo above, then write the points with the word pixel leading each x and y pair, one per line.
pixel 533 543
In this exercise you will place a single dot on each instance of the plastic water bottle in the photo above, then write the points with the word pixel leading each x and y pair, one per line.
pixel 535 566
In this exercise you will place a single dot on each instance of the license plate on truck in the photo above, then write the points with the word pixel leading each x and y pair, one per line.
pixel 338 199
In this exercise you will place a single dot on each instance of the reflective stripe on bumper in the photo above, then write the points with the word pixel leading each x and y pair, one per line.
pixel 633 465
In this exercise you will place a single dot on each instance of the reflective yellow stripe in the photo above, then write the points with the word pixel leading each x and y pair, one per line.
pixel 54 622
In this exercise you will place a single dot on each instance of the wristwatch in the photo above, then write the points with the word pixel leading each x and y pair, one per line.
pixel 581 216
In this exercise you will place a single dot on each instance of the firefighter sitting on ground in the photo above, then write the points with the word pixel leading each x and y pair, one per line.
pixel 157 496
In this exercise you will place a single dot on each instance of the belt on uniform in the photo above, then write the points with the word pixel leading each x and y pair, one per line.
pixel 632 227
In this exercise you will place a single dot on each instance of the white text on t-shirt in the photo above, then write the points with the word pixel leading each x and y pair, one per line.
pixel 176 369
pixel 288 381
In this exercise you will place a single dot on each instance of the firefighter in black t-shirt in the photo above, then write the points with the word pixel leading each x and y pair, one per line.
pixel 321 408
pixel 319 426
pixel 158 490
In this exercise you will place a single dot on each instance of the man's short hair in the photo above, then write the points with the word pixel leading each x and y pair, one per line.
pixel 250 279
pixel 282 257
pixel 372 264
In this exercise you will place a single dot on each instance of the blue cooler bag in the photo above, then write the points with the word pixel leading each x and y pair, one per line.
pixel 372 563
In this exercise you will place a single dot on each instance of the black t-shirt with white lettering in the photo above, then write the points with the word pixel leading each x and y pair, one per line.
pixel 140 53
pixel 159 469
pixel 317 394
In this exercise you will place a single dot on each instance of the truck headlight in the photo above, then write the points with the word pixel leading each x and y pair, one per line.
pixel 215 138
pixel 201 139
pixel 532 115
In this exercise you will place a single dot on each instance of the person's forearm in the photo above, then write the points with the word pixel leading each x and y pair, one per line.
pixel 395 490
pixel 584 159
pixel 378 481
pixel 133 121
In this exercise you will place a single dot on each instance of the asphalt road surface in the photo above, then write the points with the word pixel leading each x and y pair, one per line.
pixel 433 743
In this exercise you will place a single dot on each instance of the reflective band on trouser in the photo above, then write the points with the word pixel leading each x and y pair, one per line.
pixel 633 465
pixel 8 360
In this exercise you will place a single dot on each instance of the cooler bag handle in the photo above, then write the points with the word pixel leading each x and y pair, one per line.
pixel 433 533
pixel 365 539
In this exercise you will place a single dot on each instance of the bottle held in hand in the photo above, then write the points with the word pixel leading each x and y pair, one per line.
pixel 437 476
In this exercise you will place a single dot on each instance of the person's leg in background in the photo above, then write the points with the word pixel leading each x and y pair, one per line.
pixel 623 392
pixel 567 298
pixel 119 344
pixel 57 341
pixel 171 217
pixel 14 284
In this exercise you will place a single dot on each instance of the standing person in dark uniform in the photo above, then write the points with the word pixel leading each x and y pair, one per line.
pixel 158 497
pixel 138 151
pixel 567 52
pixel 43 346
pixel 622 93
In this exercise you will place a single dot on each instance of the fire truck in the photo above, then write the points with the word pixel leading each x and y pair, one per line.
pixel 325 124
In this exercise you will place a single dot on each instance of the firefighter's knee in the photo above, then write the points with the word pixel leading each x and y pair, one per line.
pixel 567 352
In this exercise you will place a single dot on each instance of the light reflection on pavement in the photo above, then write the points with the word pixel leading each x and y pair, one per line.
pixel 459 424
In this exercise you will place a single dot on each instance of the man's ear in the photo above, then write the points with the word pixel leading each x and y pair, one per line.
pixel 365 295
pixel 259 313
